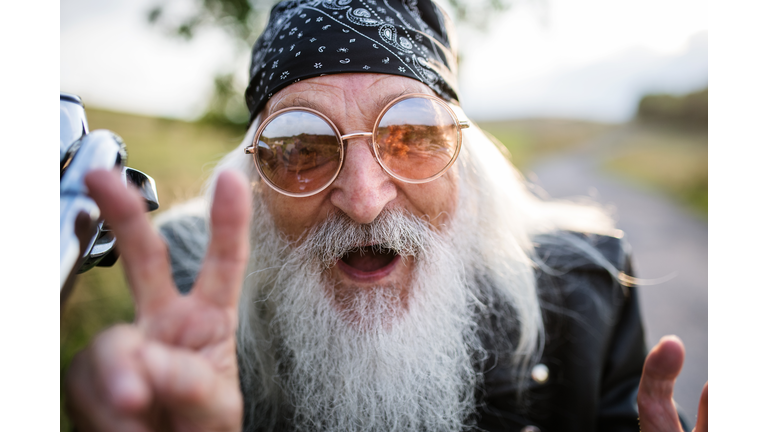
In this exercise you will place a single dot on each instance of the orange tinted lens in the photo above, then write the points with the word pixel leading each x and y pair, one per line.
pixel 298 152
pixel 417 138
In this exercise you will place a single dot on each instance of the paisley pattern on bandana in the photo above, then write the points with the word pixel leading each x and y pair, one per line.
pixel 309 38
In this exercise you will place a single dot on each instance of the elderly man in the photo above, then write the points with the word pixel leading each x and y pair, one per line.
pixel 401 277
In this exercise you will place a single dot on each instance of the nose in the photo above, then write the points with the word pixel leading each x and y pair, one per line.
pixel 363 188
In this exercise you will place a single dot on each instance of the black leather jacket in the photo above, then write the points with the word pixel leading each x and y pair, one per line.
pixel 594 349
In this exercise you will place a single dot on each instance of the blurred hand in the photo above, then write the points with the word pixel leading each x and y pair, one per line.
pixel 654 398
pixel 175 368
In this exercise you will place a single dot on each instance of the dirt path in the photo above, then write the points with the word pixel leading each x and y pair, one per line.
pixel 666 239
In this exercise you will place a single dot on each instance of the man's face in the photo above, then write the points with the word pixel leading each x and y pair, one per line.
pixel 363 189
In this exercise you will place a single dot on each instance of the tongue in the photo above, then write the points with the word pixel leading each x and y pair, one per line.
pixel 367 260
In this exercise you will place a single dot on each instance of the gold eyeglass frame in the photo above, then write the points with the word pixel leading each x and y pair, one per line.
pixel 342 140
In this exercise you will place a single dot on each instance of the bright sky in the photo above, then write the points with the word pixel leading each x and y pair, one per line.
pixel 591 59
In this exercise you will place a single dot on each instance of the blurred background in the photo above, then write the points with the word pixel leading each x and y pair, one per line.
pixel 605 99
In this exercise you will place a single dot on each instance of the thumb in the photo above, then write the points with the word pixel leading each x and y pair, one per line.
pixel 654 397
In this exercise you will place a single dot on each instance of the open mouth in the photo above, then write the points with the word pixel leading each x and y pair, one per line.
pixel 368 262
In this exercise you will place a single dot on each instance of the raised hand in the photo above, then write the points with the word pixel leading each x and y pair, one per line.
pixel 175 367
pixel 654 397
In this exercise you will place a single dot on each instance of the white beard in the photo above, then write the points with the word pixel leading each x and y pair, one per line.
pixel 375 363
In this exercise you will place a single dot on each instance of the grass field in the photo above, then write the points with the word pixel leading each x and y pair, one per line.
pixel 532 139
pixel 663 157
pixel 180 155
pixel 668 159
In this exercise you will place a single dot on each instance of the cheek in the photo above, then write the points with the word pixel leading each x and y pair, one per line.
pixel 437 200
pixel 294 216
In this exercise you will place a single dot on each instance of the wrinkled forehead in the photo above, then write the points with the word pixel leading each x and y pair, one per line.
pixel 345 94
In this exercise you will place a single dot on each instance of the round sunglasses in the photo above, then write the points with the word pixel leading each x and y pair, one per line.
pixel 299 151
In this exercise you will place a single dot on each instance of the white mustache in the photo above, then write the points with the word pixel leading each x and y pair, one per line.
pixel 392 230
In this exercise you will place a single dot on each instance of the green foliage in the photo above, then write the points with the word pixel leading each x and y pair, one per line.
pixel 178 155
pixel 226 107
pixel 242 20
pixel 245 19
pixel 689 110
pixel 477 13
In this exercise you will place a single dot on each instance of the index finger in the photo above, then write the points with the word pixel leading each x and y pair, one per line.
pixel 221 274
pixel 144 253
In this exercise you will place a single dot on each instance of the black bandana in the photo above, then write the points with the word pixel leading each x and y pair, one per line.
pixel 309 38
